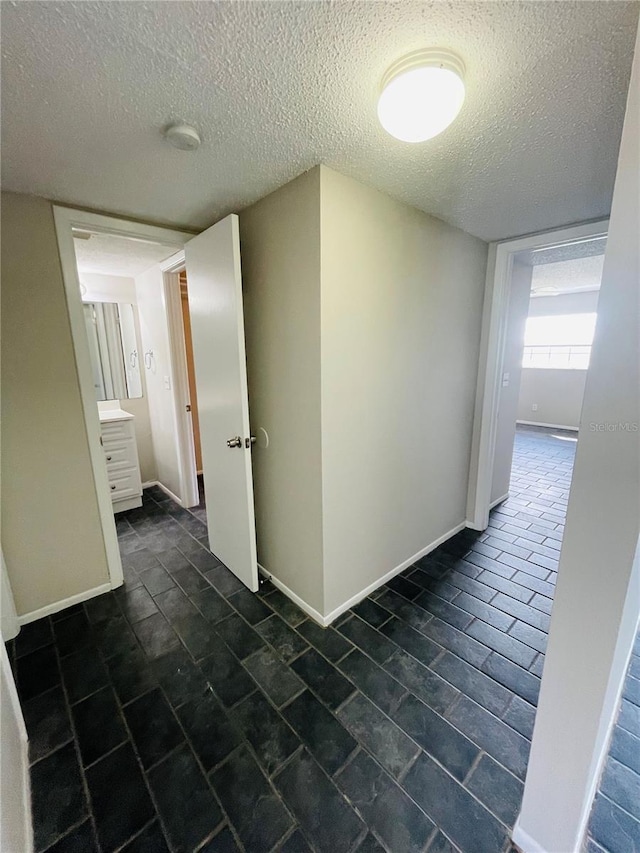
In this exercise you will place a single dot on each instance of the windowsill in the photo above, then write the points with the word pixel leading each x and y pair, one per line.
pixel 556 369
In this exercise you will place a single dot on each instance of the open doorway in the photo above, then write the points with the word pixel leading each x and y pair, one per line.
pixel 542 293
pixel 540 316
pixel 158 360
pixel 550 323
pixel 135 302
pixel 550 327
pixel 121 357
pixel 506 308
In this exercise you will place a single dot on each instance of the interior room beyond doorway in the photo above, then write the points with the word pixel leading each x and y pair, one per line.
pixel 133 364
pixel 550 324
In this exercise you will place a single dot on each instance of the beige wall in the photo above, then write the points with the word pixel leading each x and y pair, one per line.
pixel 280 244
pixel 362 321
pixel 519 291
pixel 401 314
pixel 117 288
pixel 557 393
pixel 47 478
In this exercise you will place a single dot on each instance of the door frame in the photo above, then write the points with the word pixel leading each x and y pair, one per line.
pixel 171 269
pixel 491 357
pixel 66 219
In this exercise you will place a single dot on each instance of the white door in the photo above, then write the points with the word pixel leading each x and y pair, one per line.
pixel 217 328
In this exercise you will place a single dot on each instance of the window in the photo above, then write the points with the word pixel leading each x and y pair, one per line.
pixel 561 341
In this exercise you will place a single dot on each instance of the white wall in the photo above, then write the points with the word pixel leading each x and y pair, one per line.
pixel 154 335
pixel 280 244
pixel 519 292
pixel 597 598
pixel 401 314
pixel 16 835
pixel 564 303
pixel 558 394
pixel 115 288
pixel 47 476
pixel 107 288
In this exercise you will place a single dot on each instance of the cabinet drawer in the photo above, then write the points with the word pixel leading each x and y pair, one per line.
pixel 120 455
pixel 125 484
pixel 116 431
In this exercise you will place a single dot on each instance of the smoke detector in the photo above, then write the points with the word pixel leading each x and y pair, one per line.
pixel 182 136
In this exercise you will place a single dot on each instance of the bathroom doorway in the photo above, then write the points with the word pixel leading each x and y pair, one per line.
pixel 188 429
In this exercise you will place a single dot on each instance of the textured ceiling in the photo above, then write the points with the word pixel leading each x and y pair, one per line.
pixel 573 276
pixel 276 88
pixel 567 252
pixel 108 255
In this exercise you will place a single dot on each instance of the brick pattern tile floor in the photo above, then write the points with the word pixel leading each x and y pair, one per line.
pixel 614 826
pixel 183 713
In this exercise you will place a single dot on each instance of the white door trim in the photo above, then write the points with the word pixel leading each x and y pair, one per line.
pixel 9 624
pixel 171 269
pixel 66 219
pixel 492 343
pixel 16 824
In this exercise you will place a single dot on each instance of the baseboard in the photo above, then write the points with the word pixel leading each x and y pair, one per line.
pixel 498 501
pixel 126 504
pixel 167 491
pixel 524 842
pixel 549 426
pixel 357 598
pixel 57 606
pixel 325 621
pixel 302 604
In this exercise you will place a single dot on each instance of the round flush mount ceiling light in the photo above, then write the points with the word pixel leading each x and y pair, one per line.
pixel 182 136
pixel 421 94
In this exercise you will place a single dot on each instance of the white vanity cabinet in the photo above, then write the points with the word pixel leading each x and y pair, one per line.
pixel 123 468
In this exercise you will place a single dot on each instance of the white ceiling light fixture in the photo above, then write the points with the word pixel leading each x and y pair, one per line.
pixel 182 136
pixel 421 94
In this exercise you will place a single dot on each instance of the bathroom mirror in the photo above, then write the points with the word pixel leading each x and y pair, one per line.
pixel 113 350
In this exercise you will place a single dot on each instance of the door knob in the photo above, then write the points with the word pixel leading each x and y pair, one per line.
pixel 249 441
pixel 234 442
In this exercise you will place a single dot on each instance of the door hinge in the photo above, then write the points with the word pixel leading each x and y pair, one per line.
pixel 188 407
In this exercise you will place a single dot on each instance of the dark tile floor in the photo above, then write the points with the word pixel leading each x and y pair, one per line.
pixel 184 713
pixel 614 826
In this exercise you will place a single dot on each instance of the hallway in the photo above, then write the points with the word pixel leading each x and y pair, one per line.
pixel 184 713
